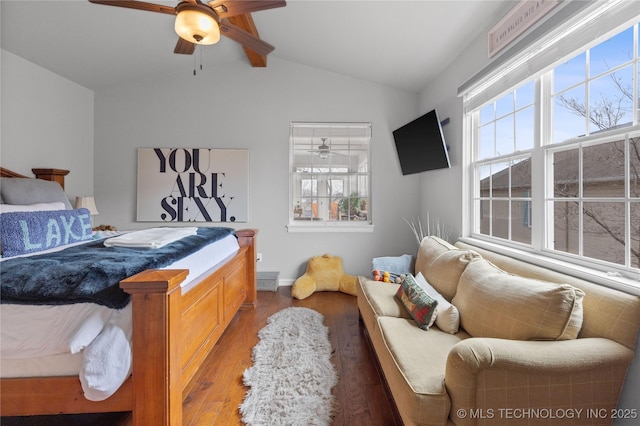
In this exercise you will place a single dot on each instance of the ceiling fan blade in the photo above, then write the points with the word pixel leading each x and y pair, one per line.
pixel 184 47
pixel 228 8
pixel 245 38
pixel 140 5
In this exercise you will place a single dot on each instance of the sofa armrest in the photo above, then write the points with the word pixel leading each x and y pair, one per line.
pixel 493 381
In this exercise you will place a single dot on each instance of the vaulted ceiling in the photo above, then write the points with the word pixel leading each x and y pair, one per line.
pixel 402 44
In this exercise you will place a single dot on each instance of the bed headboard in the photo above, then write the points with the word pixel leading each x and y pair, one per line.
pixel 9 174
pixel 55 175
pixel 47 187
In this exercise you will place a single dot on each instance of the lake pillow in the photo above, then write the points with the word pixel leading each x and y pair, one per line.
pixel 30 232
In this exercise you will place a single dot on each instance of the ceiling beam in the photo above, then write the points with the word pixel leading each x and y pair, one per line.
pixel 245 21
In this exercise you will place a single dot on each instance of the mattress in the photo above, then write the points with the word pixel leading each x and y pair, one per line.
pixel 54 365
pixel 56 340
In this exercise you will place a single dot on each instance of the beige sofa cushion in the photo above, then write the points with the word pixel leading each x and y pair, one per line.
pixel 413 361
pixel 608 313
pixel 442 264
pixel 381 298
pixel 430 248
pixel 494 303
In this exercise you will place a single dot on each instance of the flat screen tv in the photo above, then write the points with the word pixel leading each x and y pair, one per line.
pixel 421 146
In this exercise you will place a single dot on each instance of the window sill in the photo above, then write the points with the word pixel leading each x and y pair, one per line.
pixel 328 227
pixel 628 283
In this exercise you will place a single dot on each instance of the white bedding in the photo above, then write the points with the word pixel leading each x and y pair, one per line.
pixel 30 331
pixel 33 336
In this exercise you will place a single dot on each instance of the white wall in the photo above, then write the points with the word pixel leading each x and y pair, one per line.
pixel 47 121
pixel 440 189
pixel 236 106
pixel 440 201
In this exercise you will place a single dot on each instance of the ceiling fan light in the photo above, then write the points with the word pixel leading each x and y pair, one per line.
pixel 196 24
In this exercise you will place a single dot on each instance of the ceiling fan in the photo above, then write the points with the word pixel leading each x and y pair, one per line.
pixel 200 23
pixel 324 150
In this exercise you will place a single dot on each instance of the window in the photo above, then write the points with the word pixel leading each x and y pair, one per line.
pixel 555 161
pixel 593 91
pixel 589 211
pixel 330 177
pixel 506 131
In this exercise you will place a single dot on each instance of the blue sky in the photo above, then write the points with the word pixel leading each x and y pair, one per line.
pixel 569 80
pixel 603 57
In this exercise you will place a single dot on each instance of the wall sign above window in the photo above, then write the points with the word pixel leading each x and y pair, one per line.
pixel 516 22
pixel 193 185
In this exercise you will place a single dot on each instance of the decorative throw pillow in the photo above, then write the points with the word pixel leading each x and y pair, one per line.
pixel 448 318
pixel 421 306
pixel 494 303
pixel 6 208
pixel 29 232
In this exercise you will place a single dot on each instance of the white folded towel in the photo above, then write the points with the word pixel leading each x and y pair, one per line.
pixel 150 238
pixel 106 364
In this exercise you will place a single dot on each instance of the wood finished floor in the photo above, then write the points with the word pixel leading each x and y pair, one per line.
pixel 217 390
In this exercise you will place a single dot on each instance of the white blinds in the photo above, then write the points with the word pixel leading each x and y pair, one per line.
pixel 575 26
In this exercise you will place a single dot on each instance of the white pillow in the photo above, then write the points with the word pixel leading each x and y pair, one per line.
pixel 38 207
pixel 448 319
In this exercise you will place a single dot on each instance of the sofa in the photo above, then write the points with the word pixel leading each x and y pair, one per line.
pixel 512 343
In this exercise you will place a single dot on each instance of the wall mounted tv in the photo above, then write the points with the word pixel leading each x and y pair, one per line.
pixel 420 145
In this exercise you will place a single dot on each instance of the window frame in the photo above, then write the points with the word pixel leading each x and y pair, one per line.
pixel 626 277
pixel 309 132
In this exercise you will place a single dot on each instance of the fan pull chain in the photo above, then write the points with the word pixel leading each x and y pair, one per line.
pixel 199 50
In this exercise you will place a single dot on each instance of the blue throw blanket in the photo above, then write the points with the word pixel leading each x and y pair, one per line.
pixel 90 272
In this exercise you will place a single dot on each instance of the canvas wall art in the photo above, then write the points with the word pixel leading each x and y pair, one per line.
pixel 193 185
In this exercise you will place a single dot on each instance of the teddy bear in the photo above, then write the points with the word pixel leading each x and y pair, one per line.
pixel 324 273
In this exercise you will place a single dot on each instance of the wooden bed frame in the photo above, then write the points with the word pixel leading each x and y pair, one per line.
pixel 172 335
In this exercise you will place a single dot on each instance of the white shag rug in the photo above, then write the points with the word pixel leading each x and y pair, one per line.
pixel 292 375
